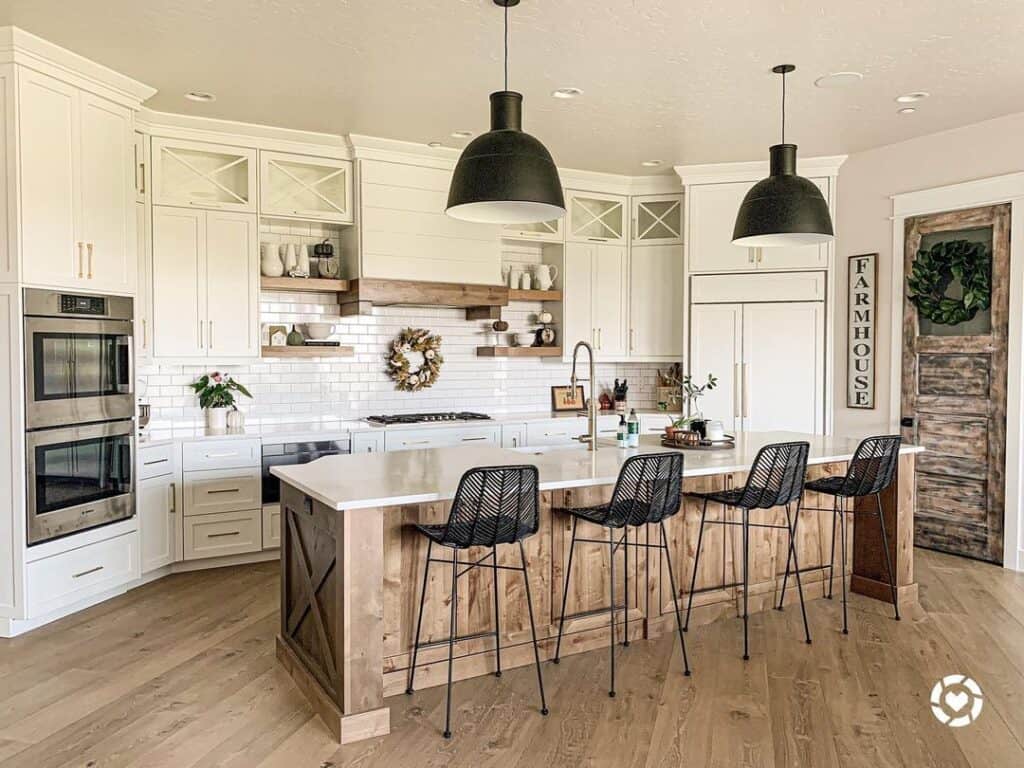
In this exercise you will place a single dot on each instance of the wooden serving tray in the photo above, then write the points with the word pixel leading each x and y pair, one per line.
pixel 704 445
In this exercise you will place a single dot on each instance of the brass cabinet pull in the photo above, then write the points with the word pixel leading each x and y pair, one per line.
pixel 222 535
pixel 86 573
pixel 224 490
pixel 88 249
pixel 81 260
pixel 174 503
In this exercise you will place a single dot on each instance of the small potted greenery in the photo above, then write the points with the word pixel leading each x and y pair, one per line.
pixel 216 393
pixel 693 421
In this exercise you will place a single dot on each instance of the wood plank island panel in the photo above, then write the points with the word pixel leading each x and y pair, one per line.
pixel 352 579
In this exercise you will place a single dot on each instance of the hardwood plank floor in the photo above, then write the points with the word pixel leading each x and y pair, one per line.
pixel 181 674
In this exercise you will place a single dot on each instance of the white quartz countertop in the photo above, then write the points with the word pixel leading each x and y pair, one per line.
pixel 364 480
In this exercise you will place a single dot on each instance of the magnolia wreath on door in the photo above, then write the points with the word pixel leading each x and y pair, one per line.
pixel 935 268
pixel 414 361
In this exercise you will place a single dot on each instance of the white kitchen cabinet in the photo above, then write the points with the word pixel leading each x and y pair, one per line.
pixel 656 301
pixel 513 435
pixel 769 359
pixel 205 264
pixel 657 220
pixel 201 175
pixel 716 347
pixel 655 423
pixel 222 490
pixel 271 526
pixel 144 294
pixel 566 430
pixel 541 231
pixel 439 437
pixel 54 582
pixel 222 534
pixel 595 304
pixel 158 500
pixel 297 186
pixel 140 152
pixel 712 216
pixel 596 217
pixel 367 442
pixel 75 187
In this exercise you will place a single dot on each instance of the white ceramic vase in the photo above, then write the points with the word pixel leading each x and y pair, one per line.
pixel 235 419
pixel 302 265
pixel 217 418
pixel 290 258
pixel 270 262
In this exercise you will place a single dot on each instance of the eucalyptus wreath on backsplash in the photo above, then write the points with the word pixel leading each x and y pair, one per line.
pixel 935 268
pixel 423 345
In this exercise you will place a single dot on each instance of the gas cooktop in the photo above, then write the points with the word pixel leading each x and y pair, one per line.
pixel 420 418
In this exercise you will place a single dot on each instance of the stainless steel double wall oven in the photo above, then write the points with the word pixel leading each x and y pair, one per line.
pixel 79 412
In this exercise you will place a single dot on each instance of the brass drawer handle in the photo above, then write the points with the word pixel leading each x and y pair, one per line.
pixel 86 573
pixel 221 535
pixel 224 490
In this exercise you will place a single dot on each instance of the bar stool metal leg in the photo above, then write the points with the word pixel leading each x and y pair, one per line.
pixel 696 560
pixel 746 580
pixel 675 598
pixel 565 592
pixel 842 559
pixel 888 559
pixel 832 546
pixel 533 631
pixel 611 606
pixel 497 620
pixel 451 642
pixel 625 590
pixel 419 620
pixel 792 523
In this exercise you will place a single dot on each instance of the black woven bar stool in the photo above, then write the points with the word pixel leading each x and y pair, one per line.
pixel 871 470
pixel 492 505
pixel 776 479
pixel 647 491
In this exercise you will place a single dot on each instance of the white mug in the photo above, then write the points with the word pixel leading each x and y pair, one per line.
pixel 714 430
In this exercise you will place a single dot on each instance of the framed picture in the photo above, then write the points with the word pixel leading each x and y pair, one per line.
pixel 860 331
pixel 564 399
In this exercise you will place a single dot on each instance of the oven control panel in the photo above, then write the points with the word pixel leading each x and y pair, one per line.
pixel 82 305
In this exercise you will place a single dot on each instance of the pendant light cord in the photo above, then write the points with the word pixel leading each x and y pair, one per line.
pixel 783 107
pixel 506 47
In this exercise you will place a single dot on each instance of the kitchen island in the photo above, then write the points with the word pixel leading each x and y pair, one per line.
pixel 351 565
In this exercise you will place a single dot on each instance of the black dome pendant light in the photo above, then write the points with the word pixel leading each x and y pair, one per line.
pixel 784 209
pixel 506 176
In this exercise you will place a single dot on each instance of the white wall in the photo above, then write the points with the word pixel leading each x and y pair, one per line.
pixel 866 182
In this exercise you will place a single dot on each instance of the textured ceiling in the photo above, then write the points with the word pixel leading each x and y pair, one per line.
pixel 683 82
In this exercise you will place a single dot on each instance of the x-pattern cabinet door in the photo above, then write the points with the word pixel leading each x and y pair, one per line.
pixel 297 186
pixel 657 220
pixel 597 218
pixel 195 174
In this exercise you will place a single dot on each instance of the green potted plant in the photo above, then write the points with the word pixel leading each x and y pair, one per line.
pixel 693 420
pixel 216 393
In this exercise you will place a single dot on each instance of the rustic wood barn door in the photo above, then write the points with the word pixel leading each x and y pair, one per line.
pixel 954 381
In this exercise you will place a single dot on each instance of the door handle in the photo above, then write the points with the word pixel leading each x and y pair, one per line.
pixel 737 384
pixel 598 338
pixel 81 260
pixel 221 535
pixel 210 335
pixel 473 439
pixel 746 392
pixel 88 248
pixel 145 335
pixel 632 339
pixel 223 490
pixel 172 488
pixel 80 574
pixel 200 334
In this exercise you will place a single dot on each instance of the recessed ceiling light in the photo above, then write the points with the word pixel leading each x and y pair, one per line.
pixel 567 93
pixel 906 111
pixel 461 134
pixel 434 144
pixel 839 79
pixel 200 96
pixel 651 163
pixel 909 98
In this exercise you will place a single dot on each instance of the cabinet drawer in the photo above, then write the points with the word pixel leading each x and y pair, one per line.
pixel 63 579
pixel 368 442
pixel 155 461
pixel 560 432
pixel 513 435
pixel 766 286
pixel 271 526
pixel 222 491
pixel 226 533
pixel 655 423
pixel 220 454
pixel 434 437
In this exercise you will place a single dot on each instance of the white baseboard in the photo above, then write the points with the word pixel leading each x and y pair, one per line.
pixel 223 562
pixel 15 627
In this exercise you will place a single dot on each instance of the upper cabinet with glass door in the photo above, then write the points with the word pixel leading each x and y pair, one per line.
pixel 657 220
pixel 542 231
pixel 594 217
pixel 297 186
pixel 199 175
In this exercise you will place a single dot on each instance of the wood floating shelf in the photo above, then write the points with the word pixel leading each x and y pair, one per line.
pixel 519 295
pixel 518 351
pixel 305 351
pixel 307 284
pixel 480 301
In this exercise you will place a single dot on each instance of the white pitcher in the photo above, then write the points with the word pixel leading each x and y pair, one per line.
pixel 270 263
pixel 545 275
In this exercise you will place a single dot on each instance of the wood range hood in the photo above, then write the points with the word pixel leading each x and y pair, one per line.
pixel 481 302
